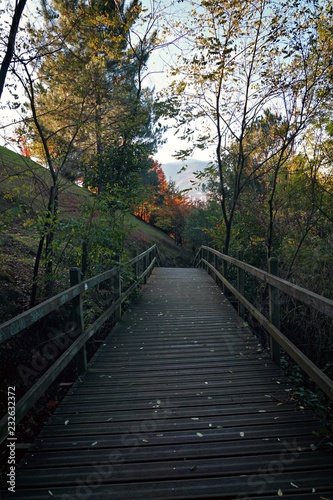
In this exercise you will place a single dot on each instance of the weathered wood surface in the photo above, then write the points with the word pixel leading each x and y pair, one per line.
pixel 178 403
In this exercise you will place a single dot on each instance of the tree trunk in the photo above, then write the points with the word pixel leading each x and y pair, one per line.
pixel 11 43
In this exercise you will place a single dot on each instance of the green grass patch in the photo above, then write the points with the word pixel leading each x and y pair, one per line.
pixel 24 188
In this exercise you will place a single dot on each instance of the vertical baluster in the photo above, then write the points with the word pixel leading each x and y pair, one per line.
pixel 215 267
pixel 117 289
pixel 240 283
pixel 224 271
pixel 145 265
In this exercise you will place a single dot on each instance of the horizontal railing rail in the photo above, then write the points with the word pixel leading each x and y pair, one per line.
pixel 77 334
pixel 319 302
pixel 208 257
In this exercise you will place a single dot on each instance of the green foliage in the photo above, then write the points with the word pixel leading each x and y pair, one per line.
pixel 308 395
pixel 201 224
pixel 238 65
pixel 88 114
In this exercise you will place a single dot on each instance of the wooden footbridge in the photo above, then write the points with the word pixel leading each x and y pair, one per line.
pixel 179 402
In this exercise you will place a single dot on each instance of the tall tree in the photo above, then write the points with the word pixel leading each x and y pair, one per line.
pixel 9 44
pixel 80 78
pixel 239 61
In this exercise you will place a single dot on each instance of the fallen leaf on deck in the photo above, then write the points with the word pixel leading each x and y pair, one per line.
pixel 94 443
pixel 199 434
pixel 52 404
pixel 280 493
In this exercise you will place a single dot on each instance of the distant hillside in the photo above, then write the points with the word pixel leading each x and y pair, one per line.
pixel 23 192
pixel 184 177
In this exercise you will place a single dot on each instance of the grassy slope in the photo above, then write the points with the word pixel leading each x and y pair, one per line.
pixel 23 190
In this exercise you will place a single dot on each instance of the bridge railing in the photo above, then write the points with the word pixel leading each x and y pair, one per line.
pixel 208 258
pixel 75 334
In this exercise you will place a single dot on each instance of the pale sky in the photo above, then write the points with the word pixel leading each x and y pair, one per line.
pixel 158 63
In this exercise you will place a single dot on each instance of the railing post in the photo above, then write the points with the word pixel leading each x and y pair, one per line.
pixel 77 318
pixel 136 266
pixel 224 271
pixel 149 261
pixel 117 288
pixel 240 283
pixel 145 265
pixel 156 256
pixel 274 310
pixel 208 260
pixel 215 267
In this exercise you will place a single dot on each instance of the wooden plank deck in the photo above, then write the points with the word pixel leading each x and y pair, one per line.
pixel 179 403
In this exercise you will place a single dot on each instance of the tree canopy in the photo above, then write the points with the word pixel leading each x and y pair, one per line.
pixel 252 80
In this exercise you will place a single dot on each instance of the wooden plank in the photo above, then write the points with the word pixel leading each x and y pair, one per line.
pixel 182 469
pixel 170 409
pixel 132 452
pixel 184 433
pixel 221 487
pixel 107 425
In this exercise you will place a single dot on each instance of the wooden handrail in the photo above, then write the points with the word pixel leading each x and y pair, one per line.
pixel 28 318
pixel 318 302
pixel 77 346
